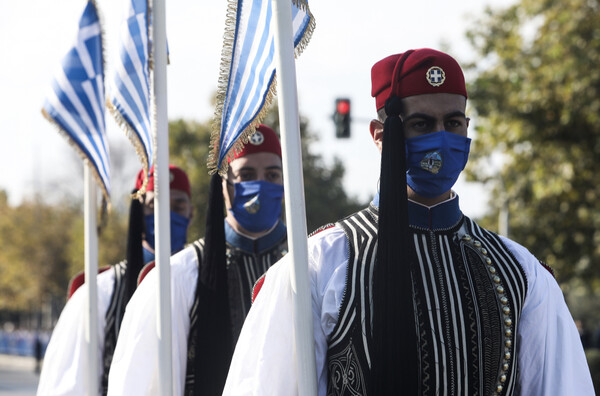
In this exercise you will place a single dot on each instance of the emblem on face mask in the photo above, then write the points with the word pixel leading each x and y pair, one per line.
pixel 253 205
pixel 435 76
pixel 432 162
pixel 257 138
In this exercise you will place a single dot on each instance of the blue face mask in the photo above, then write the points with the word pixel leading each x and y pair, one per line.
pixel 257 204
pixel 434 162
pixel 179 226
pixel 148 255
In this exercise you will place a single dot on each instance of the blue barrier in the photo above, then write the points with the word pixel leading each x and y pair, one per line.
pixel 22 342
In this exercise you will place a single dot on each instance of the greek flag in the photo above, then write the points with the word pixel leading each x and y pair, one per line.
pixel 75 103
pixel 247 79
pixel 130 82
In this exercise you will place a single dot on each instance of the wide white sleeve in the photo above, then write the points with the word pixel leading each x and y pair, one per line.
pixel 134 368
pixel 65 366
pixel 264 359
pixel 550 355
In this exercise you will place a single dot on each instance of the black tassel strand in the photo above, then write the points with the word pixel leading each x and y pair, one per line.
pixel 395 366
pixel 213 341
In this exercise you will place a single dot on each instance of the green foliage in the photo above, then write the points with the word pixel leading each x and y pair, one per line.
pixel 33 253
pixel 189 148
pixel 41 248
pixel 42 244
pixel 112 242
pixel 537 94
pixel 326 200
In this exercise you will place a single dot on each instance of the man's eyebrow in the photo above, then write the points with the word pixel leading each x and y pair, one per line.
pixel 246 168
pixel 276 167
pixel 455 114
pixel 418 115
pixel 428 117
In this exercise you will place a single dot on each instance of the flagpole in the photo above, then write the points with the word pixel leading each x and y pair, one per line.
pixel 90 272
pixel 162 200
pixel 294 196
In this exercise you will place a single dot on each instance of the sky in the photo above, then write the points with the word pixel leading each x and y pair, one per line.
pixel 347 41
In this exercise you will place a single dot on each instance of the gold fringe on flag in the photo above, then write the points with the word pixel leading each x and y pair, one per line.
pixel 137 145
pixel 303 5
pixel 153 117
pixel 224 70
pixel 82 155
pixel 128 128
pixel 102 35
pixel 106 203
pixel 149 34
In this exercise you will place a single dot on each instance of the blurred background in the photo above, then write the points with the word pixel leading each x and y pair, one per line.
pixel 533 174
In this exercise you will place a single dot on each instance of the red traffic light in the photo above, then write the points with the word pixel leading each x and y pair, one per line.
pixel 343 106
pixel 341 117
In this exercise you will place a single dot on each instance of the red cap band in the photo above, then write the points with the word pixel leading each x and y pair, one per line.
pixel 178 180
pixel 416 72
pixel 264 140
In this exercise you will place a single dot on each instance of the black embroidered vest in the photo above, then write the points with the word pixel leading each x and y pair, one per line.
pixel 468 294
pixel 114 316
pixel 243 270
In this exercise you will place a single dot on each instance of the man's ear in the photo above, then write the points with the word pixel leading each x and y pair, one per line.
pixel 376 130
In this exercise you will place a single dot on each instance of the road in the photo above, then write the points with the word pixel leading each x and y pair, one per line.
pixel 17 376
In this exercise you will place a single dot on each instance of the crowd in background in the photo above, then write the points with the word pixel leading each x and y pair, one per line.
pixel 23 342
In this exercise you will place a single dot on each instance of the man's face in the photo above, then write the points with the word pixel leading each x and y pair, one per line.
pixel 251 167
pixel 180 203
pixel 428 113
pixel 423 114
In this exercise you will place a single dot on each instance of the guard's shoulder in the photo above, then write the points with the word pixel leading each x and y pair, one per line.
pixel 79 279
pixel 528 261
pixel 321 229
pixel 257 286
pixel 145 270
pixel 547 267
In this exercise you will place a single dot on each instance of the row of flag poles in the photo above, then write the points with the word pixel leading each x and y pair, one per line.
pixel 261 37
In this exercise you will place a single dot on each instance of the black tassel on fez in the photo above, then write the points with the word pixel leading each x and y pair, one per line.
pixel 395 368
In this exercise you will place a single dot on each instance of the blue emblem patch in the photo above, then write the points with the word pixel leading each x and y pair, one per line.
pixel 432 162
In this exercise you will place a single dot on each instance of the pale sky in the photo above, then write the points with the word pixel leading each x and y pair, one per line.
pixel 348 40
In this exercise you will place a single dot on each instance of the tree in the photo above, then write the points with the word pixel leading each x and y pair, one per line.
pixel 112 241
pixel 326 200
pixel 42 247
pixel 189 143
pixel 537 95
pixel 33 255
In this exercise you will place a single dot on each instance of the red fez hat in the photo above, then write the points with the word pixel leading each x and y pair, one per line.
pixel 264 140
pixel 416 72
pixel 178 180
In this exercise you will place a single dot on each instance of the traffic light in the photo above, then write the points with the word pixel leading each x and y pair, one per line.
pixel 341 117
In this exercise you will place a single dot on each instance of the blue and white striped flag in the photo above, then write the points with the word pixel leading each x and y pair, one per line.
pixel 247 79
pixel 130 82
pixel 75 104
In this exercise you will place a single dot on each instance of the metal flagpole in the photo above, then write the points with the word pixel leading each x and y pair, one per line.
pixel 90 272
pixel 162 199
pixel 294 196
